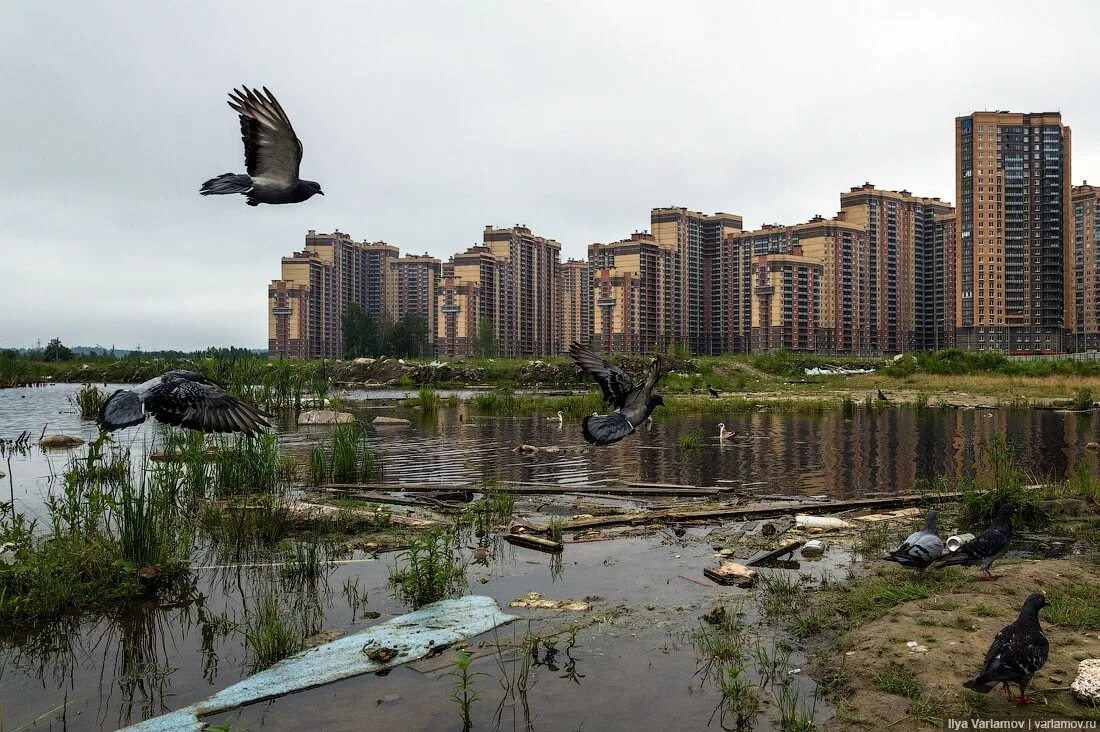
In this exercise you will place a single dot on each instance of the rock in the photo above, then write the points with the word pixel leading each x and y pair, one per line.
pixel 1065 507
pixel 389 421
pixel 325 636
pixel 732 573
pixel 325 416
pixel 379 653
pixel 3 474
pixel 915 647
pixel 536 600
pixel 767 528
pixel 363 361
pixel 1092 446
pixel 60 441
pixel 1086 686
pixel 725 552
pixel 526 449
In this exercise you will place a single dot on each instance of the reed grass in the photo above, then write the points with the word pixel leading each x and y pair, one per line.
pixel 89 401
pixel 429 570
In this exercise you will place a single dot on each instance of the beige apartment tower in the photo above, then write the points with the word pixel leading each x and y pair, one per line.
pixel 1014 237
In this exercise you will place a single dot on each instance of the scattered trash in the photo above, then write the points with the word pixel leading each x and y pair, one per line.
pixel 389 421
pixel 325 416
pixel 732 573
pixel 536 600
pixel 414 635
pixel 60 441
pixel 954 542
pixel 915 647
pixel 815 371
pixel 813 548
pixel 726 552
pixel 768 556
pixel 823 523
pixel 377 652
pixel 890 515
pixel 1086 686
pixel 7 553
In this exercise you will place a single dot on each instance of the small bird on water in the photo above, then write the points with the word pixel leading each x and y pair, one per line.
pixel 272 154
pixel 1018 652
pixel 631 404
pixel 988 546
pixel 182 399
pixel 920 548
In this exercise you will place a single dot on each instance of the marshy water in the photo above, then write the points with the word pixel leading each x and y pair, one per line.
pixel 628 664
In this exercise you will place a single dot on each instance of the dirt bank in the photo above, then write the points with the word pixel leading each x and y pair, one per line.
pixel 892 685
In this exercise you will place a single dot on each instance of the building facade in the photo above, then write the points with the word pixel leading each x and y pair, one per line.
pixel 527 298
pixel 630 284
pixel 901 241
pixel 411 289
pixel 1085 333
pixel 1014 238
pixel 786 302
pixel 695 240
pixel 575 304
pixel 935 301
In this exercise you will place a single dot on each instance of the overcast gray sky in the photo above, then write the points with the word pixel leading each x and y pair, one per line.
pixel 426 121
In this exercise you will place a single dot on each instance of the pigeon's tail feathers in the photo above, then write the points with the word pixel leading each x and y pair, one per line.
pixel 122 409
pixel 226 183
pixel 604 430
pixel 981 683
pixel 956 557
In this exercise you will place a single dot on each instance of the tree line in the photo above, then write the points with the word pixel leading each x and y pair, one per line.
pixel 366 335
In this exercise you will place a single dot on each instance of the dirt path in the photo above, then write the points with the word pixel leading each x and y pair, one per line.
pixel 956 629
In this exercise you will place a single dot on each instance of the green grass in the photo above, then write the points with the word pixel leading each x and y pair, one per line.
pixel 89 401
pixel 1074 605
pixel 271 633
pixel 868 598
pixel 429 570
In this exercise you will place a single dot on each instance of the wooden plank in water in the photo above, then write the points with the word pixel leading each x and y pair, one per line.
pixel 766 555
pixel 534 542
pixel 520 488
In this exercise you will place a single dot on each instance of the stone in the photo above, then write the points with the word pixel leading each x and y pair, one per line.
pixel 1092 446
pixel 362 360
pixel 526 449
pixel 60 441
pixel 726 552
pixel 325 416
pixel 813 549
pixel 389 421
pixel 536 600
pixel 1086 686
pixel 1065 507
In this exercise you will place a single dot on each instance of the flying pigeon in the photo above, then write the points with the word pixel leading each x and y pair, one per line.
pixel 713 391
pixel 272 154
pixel 1017 654
pixel 988 546
pixel 920 548
pixel 183 399
pixel 631 404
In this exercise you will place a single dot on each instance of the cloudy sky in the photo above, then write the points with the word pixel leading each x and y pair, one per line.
pixel 426 121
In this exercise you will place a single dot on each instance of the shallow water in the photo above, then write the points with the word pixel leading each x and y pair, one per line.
pixel 632 666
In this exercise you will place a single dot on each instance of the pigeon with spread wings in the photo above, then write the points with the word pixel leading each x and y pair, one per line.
pixel 272 154
pixel 182 399
pixel 631 405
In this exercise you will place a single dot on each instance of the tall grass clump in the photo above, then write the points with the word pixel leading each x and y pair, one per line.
pixel 427 399
pixel 318 471
pixel 1082 399
pixel 271 633
pixel 89 401
pixel 428 571
pixel 999 479
pixel 243 464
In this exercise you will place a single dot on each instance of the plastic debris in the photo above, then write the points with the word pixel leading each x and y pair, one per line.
pixel 813 548
pixel 408 637
pixel 732 573
pixel 824 523
pixel 536 600
pixel 954 542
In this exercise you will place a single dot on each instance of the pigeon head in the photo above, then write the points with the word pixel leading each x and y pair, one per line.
pixel 310 187
pixel 654 401
pixel 1033 604
pixel 930 520
pixel 1005 511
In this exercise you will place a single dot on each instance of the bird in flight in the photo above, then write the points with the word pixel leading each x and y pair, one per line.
pixel 272 154
pixel 182 399
pixel 631 404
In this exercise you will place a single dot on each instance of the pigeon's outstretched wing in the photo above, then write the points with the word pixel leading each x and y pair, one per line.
pixel 271 149
pixel 188 399
pixel 613 380
pixel 605 430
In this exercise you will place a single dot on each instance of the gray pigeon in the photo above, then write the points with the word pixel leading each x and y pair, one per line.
pixel 272 154
pixel 183 399
pixel 1018 652
pixel 631 404
pixel 988 546
pixel 920 548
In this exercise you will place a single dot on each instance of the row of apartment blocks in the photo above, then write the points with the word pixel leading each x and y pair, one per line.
pixel 1016 268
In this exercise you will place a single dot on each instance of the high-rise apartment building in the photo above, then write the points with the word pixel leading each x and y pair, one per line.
pixel 575 304
pixel 900 240
pixel 411 287
pixel 936 281
pixel 695 239
pixel 733 282
pixel 1085 332
pixel 631 282
pixel 786 302
pixel 466 300
pixel 1014 233
pixel 306 305
pixel 527 298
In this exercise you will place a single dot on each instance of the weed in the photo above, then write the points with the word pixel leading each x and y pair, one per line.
pixel 921 402
pixel 690 440
pixel 428 399
pixel 781 594
pixel 464 694
pixel 318 474
pixel 1082 399
pixel 270 634
pixel 89 400
pixel 554 529
pixel 848 408
pixel 1001 481
pixel 307 560
pixel 431 571
pixel 1074 605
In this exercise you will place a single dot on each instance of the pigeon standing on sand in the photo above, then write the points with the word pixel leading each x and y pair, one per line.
pixel 632 404
pixel 988 546
pixel 182 399
pixel 1018 652
pixel 272 154
pixel 920 548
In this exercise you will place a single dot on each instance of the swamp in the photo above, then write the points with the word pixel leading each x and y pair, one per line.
pixel 146 571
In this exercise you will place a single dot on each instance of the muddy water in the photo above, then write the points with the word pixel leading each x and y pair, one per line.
pixel 631 668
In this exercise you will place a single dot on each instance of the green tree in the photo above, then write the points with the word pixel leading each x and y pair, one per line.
pixel 410 336
pixel 360 333
pixel 486 342
pixel 56 351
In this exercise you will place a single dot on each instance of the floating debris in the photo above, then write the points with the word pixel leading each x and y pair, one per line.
pixel 536 600
pixel 325 416
pixel 732 573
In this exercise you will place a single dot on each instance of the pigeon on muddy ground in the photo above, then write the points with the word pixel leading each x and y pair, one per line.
pixel 1018 652
pixel 988 546
pixel 920 548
